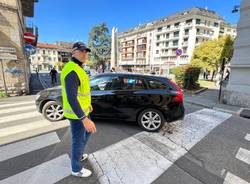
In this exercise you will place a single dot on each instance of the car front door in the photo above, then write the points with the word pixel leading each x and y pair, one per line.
pixel 102 97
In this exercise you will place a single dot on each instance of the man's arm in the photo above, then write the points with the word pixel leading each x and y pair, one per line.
pixel 71 84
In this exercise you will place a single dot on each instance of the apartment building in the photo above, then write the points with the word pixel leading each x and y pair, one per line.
pixel 48 55
pixel 170 41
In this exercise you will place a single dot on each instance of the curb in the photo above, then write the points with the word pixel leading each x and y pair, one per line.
pixel 237 113
pixel 196 92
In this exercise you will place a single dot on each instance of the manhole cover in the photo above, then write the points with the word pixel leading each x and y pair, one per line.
pixel 245 113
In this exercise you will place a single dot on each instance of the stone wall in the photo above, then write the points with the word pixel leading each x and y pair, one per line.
pixel 12 27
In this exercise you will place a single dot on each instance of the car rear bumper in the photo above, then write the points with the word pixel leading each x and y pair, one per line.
pixel 176 112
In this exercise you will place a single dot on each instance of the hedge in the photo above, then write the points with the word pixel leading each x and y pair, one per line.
pixel 187 76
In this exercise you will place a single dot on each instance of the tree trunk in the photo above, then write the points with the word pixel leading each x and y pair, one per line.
pixel 212 79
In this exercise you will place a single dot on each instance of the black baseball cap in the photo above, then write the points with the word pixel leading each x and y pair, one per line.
pixel 80 46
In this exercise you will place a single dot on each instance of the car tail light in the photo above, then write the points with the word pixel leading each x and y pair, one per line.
pixel 179 97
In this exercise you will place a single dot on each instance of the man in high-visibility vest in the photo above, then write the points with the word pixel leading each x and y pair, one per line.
pixel 77 106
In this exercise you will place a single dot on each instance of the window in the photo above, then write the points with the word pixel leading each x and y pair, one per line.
pixel 158 37
pixel 185 39
pixel 176 34
pixel 177 24
pixel 153 84
pixel 198 21
pixel 101 83
pixel 43 51
pixel 166 44
pixel 198 31
pixel 159 29
pixel 39 58
pixel 168 26
pixel 157 44
pixel 157 52
pixel 54 52
pixel 127 83
pixel 184 50
pixel 186 31
pixel 167 35
pixel 175 43
pixel 189 21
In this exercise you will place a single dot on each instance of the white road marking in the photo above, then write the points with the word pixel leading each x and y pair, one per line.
pixel 247 137
pixel 16 117
pixel 46 173
pixel 232 179
pixel 16 104
pixel 26 146
pixel 143 157
pixel 243 155
pixel 23 127
pixel 17 109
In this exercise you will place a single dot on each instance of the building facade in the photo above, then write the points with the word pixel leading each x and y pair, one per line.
pixel 50 55
pixel 46 56
pixel 14 73
pixel 237 92
pixel 154 46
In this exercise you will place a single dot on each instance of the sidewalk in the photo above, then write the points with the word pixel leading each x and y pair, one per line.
pixel 209 99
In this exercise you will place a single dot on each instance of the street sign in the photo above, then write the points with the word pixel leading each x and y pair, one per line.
pixel 178 52
pixel 30 49
pixel 8 49
pixel 29 37
pixel 8 57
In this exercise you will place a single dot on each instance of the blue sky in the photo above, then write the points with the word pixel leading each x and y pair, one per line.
pixel 72 20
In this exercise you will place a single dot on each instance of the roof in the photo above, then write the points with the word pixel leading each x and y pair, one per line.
pixel 47 46
pixel 130 74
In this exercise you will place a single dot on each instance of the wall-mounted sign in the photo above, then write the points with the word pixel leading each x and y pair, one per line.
pixel 29 37
pixel 8 57
pixel 8 49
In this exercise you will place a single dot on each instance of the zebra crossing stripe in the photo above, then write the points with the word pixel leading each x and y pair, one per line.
pixel 23 127
pixel 143 157
pixel 16 117
pixel 16 149
pixel 232 179
pixel 247 137
pixel 46 173
pixel 16 104
pixel 17 109
pixel 243 155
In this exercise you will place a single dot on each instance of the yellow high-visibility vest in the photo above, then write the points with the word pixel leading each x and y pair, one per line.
pixel 83 93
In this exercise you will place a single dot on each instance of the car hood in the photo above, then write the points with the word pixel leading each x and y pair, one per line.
pixel 48 91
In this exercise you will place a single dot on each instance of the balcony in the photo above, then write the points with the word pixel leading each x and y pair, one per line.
pixel 28 7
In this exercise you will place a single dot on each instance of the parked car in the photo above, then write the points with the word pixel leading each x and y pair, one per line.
pixel 149 100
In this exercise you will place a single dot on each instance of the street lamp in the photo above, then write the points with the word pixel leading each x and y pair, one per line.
pixel 236 9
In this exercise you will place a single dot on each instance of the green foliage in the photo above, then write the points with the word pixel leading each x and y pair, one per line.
pixel 2 94
pixel 187 76
pixel 100 44
pixel 209 54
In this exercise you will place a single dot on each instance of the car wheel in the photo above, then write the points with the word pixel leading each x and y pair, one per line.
pixel 151 120
pixel 52 111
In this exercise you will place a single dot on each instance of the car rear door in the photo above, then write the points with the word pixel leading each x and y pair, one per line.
pixel 129 96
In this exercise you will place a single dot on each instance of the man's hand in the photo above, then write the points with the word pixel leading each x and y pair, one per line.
pixel 89 125
pixel 90 108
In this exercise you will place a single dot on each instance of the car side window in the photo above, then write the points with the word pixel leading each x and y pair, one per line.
pixel 128 83
pixel 154 84
pixel 101 83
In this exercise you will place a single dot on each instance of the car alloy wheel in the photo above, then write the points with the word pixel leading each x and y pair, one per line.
pixel 151 120
pixel 53 111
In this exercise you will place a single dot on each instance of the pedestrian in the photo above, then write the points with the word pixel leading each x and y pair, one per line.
pixel 37 72
pixel 112 69
pixel 53 74
pixel 77 106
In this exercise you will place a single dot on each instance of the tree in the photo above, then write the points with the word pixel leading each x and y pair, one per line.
pixel 100 45
pixel 209 54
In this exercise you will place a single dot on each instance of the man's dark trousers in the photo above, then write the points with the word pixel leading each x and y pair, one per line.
pixel 79 139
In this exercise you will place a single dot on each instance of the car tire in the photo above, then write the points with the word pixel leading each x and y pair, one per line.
pixel 52 111
pixel 151 120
